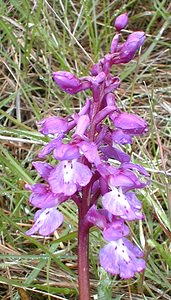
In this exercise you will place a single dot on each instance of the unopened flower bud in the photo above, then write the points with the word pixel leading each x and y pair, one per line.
pixel 69 83
pixel 132 44
pixel 121 22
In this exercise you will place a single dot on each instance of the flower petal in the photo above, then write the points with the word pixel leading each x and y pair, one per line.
pixel 53 125
pixel 119 137
pixel 130 123
pixel 68 176
pixel 42 197
pixel 119 258
pixel 115 230
pixel 43 169
pixel 66 152
pixel 69 83
pixel 112 152
pixel 118 205
pixel 46 222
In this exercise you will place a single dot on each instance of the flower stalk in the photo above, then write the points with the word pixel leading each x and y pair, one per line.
pixel 83 258
pixel 84 172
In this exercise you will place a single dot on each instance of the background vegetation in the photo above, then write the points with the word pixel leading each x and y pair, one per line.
pixel 37 38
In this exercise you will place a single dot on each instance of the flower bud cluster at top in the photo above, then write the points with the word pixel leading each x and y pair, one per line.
pixel 92 167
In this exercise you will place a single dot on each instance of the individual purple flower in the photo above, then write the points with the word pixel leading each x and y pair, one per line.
pixel 121 22
pixel 68 177
pixel 120 177
pixel 46 221
pixel 130 123
pixel 53 125
pixel 42 196
pixel 122 258
pixel 69 83
pixel 117 203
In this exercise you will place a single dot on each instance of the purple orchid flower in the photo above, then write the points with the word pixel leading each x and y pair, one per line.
pixel 46 221
pixel 122 258
pixel 68 177
pixel 53 125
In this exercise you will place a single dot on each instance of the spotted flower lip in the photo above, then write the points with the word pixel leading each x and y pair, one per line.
pixel 46 221
pixel 122 258
pixel 117 203
pixel 68 176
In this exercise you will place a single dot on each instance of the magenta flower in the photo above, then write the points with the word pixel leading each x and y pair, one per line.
pixel 130 124
pixel 117 203
pixel 122 258
pixel 42 196
pixel 68 177
pixel 53 125
pixel 46 221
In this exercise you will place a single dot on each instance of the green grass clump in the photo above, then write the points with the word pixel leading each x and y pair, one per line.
pixel 37 38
